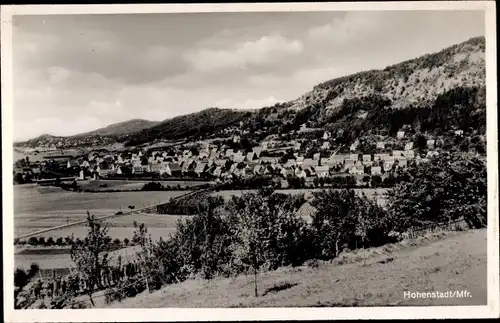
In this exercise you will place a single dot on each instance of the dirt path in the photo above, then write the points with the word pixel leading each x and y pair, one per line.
pixel 457 262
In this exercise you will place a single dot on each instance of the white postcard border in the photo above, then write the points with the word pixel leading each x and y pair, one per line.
pixel 189 314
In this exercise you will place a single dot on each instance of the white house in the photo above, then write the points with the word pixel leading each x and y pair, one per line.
pixel 367 158
pixel 326 145
pixel 409 146
pixel 354 146
pixel 432 153
pixel 402 162
pixel 398 153
pixel 337 159
pixel 376 170
pixel 388 164
pixel 326 135
pixel 381 144
pixel 317 156
pixel 353 157
pixel 431 143
pixel 459 132
pixel 350 162
pixel 410 154
pixel 357 170
pixel 322 171
pixel 236 139
pixel 308 162
pixel 290 163
pixel 400 134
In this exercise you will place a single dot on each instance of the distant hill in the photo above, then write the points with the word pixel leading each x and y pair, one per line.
pixel 121 128
pixel 439 91
pixel 409 82
pixel 435 92
pixel 194 124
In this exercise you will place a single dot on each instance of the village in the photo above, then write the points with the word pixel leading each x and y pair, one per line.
pixel 279 159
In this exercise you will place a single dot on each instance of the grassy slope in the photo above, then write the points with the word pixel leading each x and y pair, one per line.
pixel 456 262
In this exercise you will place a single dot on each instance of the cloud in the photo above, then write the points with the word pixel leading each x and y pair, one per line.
pixel 76 73
pixel 344 29
pixel 264 51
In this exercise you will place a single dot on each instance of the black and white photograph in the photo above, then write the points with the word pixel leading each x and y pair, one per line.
pixel 233 157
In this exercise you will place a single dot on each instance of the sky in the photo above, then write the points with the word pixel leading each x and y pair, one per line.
pixel 76 73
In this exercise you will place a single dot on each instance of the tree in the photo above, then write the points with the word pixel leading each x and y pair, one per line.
pixel 450 187
pixel 21 279
pixel 90 256
pixel 420 142
pixel 376 181
pixel 335 221
pixel 266 233
pixel 250 233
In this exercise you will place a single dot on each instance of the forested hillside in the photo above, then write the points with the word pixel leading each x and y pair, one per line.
pixel 434 93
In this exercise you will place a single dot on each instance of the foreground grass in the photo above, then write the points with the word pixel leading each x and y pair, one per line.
pixel 435 262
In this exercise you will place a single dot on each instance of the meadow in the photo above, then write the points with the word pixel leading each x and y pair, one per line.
pixel 37 208
pixel 439 261
pixel 116 184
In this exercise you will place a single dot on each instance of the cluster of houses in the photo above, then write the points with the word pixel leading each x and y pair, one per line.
pixel 223 162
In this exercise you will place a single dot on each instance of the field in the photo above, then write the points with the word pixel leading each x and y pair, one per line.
pixel 37 208
pixel 437 262
pixel 63 261
pixel 131 184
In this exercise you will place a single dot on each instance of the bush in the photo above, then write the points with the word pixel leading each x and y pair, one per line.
pixel 41 241
pixel 450 187
pixel 59 241
pixel 33 241
pixel 126 241
pixel 50 242
pixel 117 242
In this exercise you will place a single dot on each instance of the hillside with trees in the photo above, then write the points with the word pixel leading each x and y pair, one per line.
pixel 433 93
